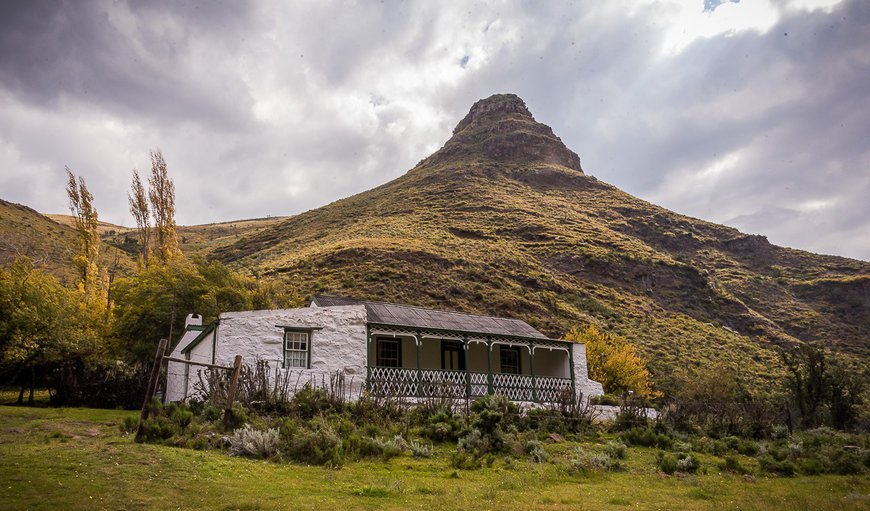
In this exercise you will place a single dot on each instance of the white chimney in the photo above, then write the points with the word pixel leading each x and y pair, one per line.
pixel 192 319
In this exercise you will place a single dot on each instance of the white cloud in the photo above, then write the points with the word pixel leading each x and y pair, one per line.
pixel 274 108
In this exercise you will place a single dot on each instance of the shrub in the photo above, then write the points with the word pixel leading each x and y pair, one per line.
pixel 420 450
pixel 247 441
pixel 605 400
pixel 615 450
pixel 666 462
pixel 583 462
pixel 769 463
pixel 462 460
pixel 390 448
pixel 847 463
pixel 310 401
pixel 679 462
pixel 546 420
pixel 646 437
pixel 493 413
pixel 536 451
pixel 164 422
pixel 747 447
pixel 442 426
pixel 129 425
pixel 732 464
pixel 316 443
pixel 687 463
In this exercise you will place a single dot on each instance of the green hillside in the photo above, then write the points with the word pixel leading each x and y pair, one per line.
pixel 49 243
pixel 502 220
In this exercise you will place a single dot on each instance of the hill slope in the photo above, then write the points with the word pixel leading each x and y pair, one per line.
pixel 502 220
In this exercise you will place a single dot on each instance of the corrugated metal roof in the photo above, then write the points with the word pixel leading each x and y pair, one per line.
pixel 419 317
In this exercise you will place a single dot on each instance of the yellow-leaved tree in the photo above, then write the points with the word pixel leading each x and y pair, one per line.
pixel 614 362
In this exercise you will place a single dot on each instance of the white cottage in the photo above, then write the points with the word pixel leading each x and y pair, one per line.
pixel 390 349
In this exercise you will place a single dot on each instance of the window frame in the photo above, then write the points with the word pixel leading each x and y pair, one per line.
pixel 308 337
pixel 379 359
pixel 503 350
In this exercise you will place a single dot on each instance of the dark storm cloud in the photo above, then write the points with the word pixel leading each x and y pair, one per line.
pixel 274 108
pixel 132 61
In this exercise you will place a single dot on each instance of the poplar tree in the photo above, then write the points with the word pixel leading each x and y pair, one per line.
pixel 162 197
pixel 138 198
pixel 92 281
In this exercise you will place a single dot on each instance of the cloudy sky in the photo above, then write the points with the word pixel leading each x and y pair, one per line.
pixel 754 114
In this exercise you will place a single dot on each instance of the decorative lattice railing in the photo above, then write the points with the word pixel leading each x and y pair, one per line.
pixel 406 382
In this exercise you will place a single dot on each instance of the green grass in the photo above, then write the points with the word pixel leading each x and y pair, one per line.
pixel 77 459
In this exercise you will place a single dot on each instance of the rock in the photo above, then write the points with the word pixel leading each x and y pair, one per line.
pixel 501 128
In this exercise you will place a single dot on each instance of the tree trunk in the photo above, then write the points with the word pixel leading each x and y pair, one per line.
pixel 32 384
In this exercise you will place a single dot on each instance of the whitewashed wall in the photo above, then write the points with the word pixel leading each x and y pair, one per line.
pixel 337 343
pixel 182 378
pixel 588 387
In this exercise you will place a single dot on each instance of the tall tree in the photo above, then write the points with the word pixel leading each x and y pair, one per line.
pixel 93 281
pixel 162 197
pixel 138 198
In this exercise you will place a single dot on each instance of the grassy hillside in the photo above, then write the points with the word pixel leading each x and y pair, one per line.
pixel 48 243
pixel 503 221
pixel 194 240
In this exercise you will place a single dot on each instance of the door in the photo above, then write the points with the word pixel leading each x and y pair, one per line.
pixel 452 355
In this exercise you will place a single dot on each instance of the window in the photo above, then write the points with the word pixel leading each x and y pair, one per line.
pixel 510 359
pixel 296 349
pixel 389 353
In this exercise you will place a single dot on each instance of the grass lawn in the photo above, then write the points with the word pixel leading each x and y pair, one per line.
pixel 76 458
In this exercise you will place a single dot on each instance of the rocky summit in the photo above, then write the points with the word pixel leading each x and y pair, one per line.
pixel 500 128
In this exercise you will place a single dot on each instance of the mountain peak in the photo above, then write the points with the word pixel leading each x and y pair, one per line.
pixel 501 128
pixel 493 109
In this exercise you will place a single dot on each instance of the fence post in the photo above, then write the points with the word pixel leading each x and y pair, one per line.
pixel 152 384
pixel 231 392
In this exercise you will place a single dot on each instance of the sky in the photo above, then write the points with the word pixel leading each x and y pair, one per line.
pixel 755 114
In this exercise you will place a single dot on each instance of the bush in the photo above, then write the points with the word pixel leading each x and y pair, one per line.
pixel 493 413
pixel 129 425
pixel 605 400
pixel 615 450
pixel 164 422
pixel 666 462
pixel 442 426
pixel 546 421
pixel 462 460
pixel 421 450
pixel 316 443
pixel 687 463
pixel 250 442
pixel 679 462
pixel 646 437
pixel 392 447
pixel 536 451
pixel 769 463
pixel 583 462
pixel 732 464
pixel 311 401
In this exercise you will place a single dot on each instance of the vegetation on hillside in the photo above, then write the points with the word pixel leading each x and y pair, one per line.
pixel 86 337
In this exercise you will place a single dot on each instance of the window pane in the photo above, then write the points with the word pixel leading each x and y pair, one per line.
pixel 510 359
pixel 296 349
pixel 388 353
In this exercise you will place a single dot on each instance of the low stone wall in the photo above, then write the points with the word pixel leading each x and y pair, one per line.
pixel 608 413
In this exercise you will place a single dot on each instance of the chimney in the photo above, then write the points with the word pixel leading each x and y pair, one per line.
pixel 192 320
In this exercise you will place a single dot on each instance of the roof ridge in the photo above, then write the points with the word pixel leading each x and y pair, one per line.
pixel 419 307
